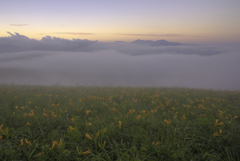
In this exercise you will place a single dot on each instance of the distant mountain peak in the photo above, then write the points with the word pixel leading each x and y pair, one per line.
pixel 156 43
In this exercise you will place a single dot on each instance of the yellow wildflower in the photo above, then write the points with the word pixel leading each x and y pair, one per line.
pixel 1 137
pixel 1 129
pixel 216 122
pixel 216 134
pixel 97 134
pixel 143 111
pixel 104 130
pixel 27 142
pixel 139 116
pixel 88 111
pixel 4 132
pixel 168 122
pixel 60 142
pixel 80 151
pixel 72 119
pixel 45 114
pixel 71 128
pixel 54 143
pixel 220 123
pixel 28 123
pixel 153 143
pixel 120 124
pixel 89 124
pixel 184 117
pixel 88 136
pixel 21 140
pixel 131 111
pixel 86 152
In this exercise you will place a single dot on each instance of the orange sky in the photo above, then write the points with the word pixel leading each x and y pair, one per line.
pixel 186 21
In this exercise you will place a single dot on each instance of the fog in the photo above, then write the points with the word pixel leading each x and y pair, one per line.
pixel 52 61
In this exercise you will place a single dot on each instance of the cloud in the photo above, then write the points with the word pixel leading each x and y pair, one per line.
pixel 112 68
pixel 52 60
pixel 68 33
pixel 156 43
pixel 19 43
pixel 74 33
pixel 136 50
pixel 158 35
pixel 17 56
pixel 41 34
pixel 18 24
pixel 164 35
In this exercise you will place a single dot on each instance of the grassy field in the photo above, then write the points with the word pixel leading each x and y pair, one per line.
pixel 118 123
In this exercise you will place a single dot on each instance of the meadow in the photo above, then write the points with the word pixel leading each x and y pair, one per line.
pixel 118 123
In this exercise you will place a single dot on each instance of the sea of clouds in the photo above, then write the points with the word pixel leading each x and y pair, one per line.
pixel 60 61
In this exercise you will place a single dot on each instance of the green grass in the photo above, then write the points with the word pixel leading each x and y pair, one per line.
pixel 124 123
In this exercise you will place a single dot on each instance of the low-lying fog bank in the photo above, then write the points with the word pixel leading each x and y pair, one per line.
pixel 112 68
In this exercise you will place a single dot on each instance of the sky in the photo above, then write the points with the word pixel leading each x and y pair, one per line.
pixel 193 44
pixel 185 21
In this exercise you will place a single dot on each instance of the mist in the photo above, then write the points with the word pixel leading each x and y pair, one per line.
pixel 92 63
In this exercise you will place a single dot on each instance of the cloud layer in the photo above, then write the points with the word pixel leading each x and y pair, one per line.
pixel 162 35
pixel 16 43
pixel 84 62
pixel 18 24
pixel 74 33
